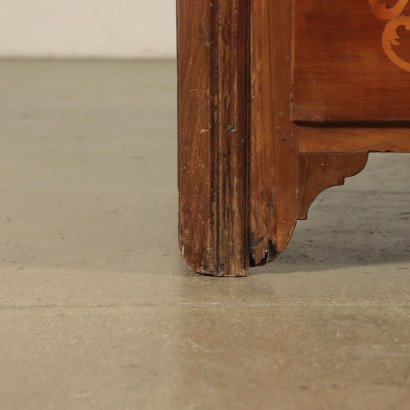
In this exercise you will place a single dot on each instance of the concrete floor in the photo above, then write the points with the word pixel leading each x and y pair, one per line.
pixel 97 309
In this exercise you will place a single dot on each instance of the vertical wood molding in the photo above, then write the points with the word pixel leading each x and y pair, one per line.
pixel 273 144
pixel 232 134
pixel 213 134
pixel 195 147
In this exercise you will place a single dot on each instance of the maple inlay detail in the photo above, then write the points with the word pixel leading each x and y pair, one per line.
pixel 395 20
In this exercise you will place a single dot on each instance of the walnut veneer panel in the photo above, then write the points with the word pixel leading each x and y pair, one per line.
pixel 351 61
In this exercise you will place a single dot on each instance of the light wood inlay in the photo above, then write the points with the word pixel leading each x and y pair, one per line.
pixel 391 36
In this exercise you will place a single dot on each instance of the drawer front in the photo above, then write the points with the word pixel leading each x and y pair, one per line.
pixel 351 61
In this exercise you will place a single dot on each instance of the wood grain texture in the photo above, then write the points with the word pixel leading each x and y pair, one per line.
pixel 196 148
pixel 342 72
pixel 318 172
pixel 213 133
pixel 350 139
pixel 252 154
pixel 231 55
pixel 274 145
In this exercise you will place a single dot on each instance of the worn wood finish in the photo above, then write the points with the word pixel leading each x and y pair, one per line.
pixel 231 133
pixel 196 150
pixel 212 73
pixel 342 72
pixel 318 172
pixel 274 145
pixel 278 101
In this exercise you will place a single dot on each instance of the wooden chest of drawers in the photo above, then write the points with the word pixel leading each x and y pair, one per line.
pixel 279 100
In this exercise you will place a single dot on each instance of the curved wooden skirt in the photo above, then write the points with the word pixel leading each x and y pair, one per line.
pixel 278 101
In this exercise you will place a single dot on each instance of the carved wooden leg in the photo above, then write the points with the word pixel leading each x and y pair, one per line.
pixel 213 135
pixel 251 159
